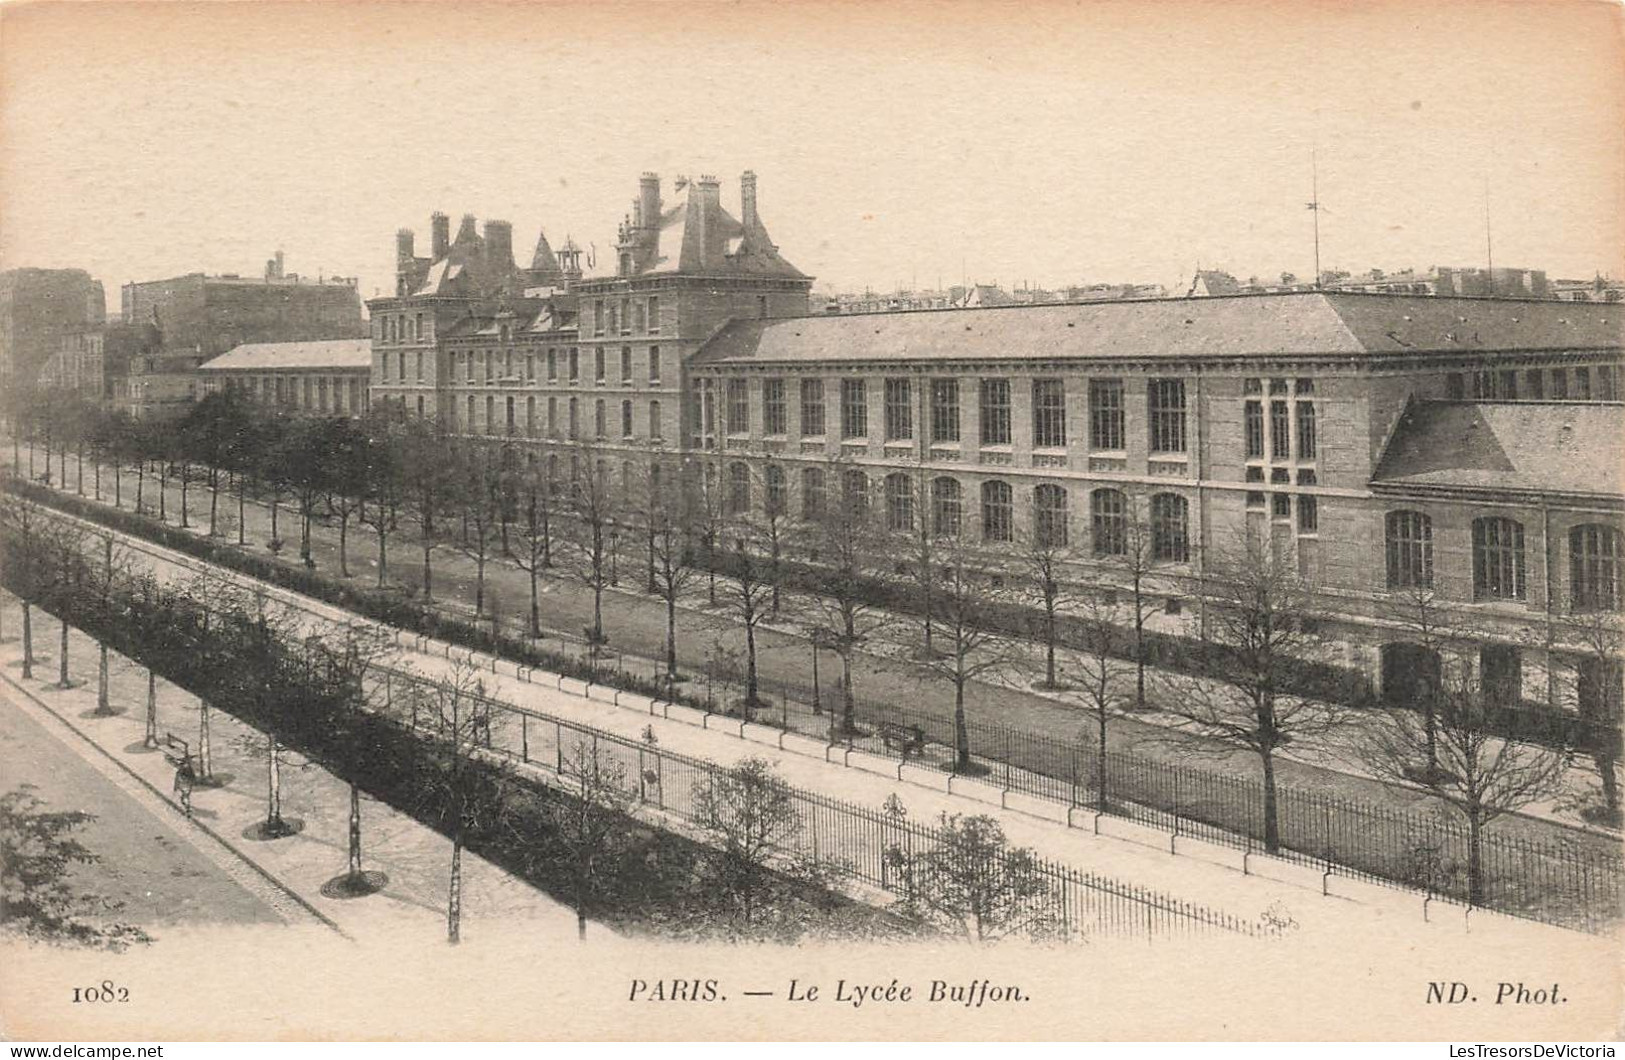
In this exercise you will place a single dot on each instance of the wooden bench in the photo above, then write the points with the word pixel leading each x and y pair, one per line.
pixel 895 735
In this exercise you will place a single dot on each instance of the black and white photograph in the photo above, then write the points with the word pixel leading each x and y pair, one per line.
pixel 831 520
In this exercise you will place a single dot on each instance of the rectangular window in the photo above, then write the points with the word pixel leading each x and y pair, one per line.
pixel 1165 401
pixel 899 410
pixel 854 409
pixel 654 365
pixel 1280 432
pixel 417 363
pixel 626 366
pixel 654 314
pixel 812 408
pixel 598 317
pixel 626 316
pixel 1455 387
pixel 530 367
pixel 944 410
pixel 1582 384
pixel 738 406
pixel 1534 382
pixel 598 365
pixel 626 419
pixel 553 417
pixel 1106 414
pixel 995 412
pixel 1607 384
pixel 773 412
pixel 1306 430
pixel 1308 515
pixel 1281 505
pixel 1560 384
pixel 575 364
pixel 553 366
pixel 1049 414
pixel 1483 386
pixel 490 365
pixel 1253 427
pixel 1509 385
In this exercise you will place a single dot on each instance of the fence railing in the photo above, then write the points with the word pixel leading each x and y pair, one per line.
pixel 1569 883
pixel 849 839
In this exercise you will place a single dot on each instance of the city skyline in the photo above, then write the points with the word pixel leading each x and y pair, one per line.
pixel 1165 150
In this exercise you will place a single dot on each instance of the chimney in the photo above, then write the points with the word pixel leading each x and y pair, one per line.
pixel 649 200
pixel 440 225
pixel 403 244
pixel 747 199
pixel 467 229
pixel 499 245
pixel 279 264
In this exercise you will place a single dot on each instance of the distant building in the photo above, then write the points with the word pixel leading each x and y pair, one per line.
pixel 79 365
pixel 37 307
pixel 328 377
pixel 1598 289
pixel 160 386
pixel 1208 282
pixel 208 315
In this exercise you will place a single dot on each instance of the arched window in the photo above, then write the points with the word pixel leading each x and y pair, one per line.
pixel 1498 566
pixel 654 421
pixel 812 493
pixel 738 496
pixel 1408 539
pixel 1594 568
pixel 1109 516
pixel 773 501
pixel 899 503
pixel 1170 528
pixel 998 523
pixel 945 507
pixel 1049 516
pixel 855 490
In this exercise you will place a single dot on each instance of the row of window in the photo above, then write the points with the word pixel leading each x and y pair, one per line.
pixel 490 366
pixel 1165 411
pixel 316 393
pixel 400 327
pixel 1599 383
pixel 1499 568
pixel 627 316
pixel 1274 426
pixel 532 428
pixel 943 499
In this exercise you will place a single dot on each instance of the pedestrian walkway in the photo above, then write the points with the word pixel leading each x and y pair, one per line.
pixel 1184 870
pixel 288 873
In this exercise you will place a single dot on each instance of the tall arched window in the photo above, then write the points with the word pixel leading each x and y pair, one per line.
pixel 773 500
pixel 738 496
pixel 1408 542
pixel 1594 568
pixel 812 493
pixel 1170 528
pixel 998 515
pixel 855 490
pixel 1050 516
pixel 899 503
pixel 945 507
pixel 1498 565
pixel 1109 516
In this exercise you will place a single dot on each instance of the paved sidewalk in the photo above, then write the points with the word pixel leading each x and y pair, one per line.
pixel 1121 852
pixel 288 873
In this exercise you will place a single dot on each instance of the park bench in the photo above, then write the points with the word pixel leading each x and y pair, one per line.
pixel 910 739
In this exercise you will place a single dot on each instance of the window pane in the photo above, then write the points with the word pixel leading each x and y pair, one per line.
pixel 995 412
pixel 1049 413
pixel 1106 414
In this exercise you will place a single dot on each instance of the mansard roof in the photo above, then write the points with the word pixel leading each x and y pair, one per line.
pixel 1308 323
pixel 696 235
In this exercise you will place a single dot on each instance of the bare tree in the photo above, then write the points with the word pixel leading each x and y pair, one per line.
pixel 669 551
pixel 1596 693
pixel 478 493
pixel 846 614
pixel 747 594
pixel 28 528
pixel 344 484
pixel 593 505
pixel 1127 545
pixel 587 816
pixel 1481 774
pixel 1044 550
pixel 423 449
pixel 970 588
pixel 1090 668
pixel 383 483
pixel 537 493
pixel 973 883
pixel 1431 630
pixel 1262 614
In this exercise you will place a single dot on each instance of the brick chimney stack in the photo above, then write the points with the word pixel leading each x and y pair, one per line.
pixel 499 245
pixel 404 244
pixel 467 229
pixel 649 200
pixel 440 227
pixel 747 198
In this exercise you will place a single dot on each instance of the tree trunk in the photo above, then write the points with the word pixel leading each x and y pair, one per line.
pixel 597 612
pixel 1103 802
pixel 274 825
pixel 750 671
pixel 242 504
pixel 1139 653
pixel 355 829
pixel 140 482
pixel 344 540
pixel 186 479
pixel 961 729
pixel 96 479
pixel 151 739
pixel 1049 640
pixel 1475 856
pixel 118 485
pixel 454 897
pixel 849 702
pixel 1272 824
pixel 102 705
pixel 479 580
pixel 274 506
pixel 214 501
pixel 304 534
pixel 653 588
pixel 28 638
pixel 535 603
pixel 205 762
pixel 383 548
pixel 62 663
pixel 163 492
pixel 671 637
pixel 428 586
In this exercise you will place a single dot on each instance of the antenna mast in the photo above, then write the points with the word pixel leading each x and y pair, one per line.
pixel 1314 207
pixel 1489 247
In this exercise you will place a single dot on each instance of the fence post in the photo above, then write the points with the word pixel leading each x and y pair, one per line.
pixel 524 737
pixel 660 780
pixel 558 747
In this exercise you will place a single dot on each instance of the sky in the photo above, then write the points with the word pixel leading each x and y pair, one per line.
pixel 896 144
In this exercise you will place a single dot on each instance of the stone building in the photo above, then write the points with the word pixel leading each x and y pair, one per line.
pixel 208 315
pixel 1355 433
pixel 329 377
pixel 37 307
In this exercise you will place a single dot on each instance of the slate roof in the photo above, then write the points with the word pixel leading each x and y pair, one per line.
pixel 1544 447
pixel 696 235
pixel 337 354
pixel 1301 323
